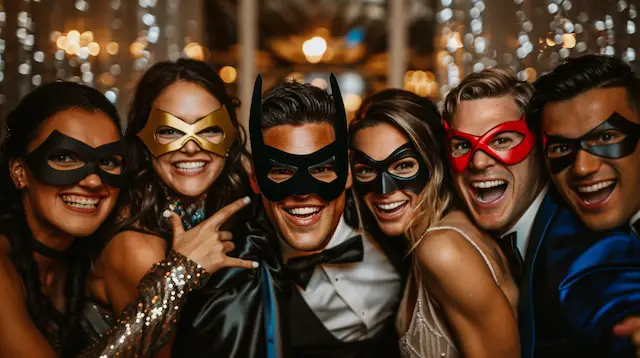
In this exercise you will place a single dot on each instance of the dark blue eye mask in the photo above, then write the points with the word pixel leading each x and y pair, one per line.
pixel 385 182
pixel 60 144
pixel 618 150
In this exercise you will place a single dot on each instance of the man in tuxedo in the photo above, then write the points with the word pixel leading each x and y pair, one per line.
pixel 497 167
pixel 586 113
pixel 346 286
pixel 499 174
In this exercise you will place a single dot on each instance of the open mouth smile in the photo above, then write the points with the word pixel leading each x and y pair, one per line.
pixel 488 191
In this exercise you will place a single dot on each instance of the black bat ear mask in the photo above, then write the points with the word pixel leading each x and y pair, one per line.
pixel 77 161
pixel 303 182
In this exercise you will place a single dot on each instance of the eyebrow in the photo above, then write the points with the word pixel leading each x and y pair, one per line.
pixel 184 120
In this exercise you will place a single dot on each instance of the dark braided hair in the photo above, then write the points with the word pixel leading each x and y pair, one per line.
pixel 21 127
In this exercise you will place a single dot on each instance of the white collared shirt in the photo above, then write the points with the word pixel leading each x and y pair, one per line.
pixel 524 225
pixel 634 218
pixel 353 301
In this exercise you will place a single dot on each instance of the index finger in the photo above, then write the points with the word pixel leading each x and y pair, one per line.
pixel 225 213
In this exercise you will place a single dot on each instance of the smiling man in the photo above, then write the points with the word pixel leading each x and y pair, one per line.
pixel 347 287
pixel 587 114
pixel 496 165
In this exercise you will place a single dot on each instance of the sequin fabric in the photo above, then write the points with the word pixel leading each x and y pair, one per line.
pixel 145 326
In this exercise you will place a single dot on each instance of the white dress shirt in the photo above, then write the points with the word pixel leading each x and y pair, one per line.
pixel 353 301
pixel 634 218
pixel 524 225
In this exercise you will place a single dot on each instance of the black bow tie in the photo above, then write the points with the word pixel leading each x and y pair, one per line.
pixel 301 268
pixel 508 244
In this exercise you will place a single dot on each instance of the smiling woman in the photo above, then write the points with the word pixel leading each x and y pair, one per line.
pixel 61 166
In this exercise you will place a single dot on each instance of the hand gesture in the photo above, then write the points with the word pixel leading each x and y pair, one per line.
pixel 204 244
pixel 630 327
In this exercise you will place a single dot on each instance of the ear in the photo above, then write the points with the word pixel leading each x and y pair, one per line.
pixel 18 174
pixel 253 181
pixel 349 177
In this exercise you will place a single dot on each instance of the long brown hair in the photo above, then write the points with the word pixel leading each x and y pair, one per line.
pixel 419 119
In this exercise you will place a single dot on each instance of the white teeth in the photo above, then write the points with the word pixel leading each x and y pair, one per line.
pixel 190 166
pixel 487 184
pixel 391 206
pixel 82 202
pixel 304 210
pixel 595 187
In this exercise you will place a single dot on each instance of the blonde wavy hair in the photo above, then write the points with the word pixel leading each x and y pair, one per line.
pixel 419 120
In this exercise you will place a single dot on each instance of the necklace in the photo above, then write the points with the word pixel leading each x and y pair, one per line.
pixel 192 213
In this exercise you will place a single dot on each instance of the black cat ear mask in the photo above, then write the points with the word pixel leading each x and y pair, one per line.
pixel 94 161
pixel 265 158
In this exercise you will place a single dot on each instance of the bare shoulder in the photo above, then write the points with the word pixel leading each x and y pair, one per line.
pixel 130 247
pixel 446 251
pixel 5 247
pixel 11 288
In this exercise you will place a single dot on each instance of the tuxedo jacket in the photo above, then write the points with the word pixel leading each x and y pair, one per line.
pixel 260 313
pixel 577 285
pixel 239 313
pixel 308 336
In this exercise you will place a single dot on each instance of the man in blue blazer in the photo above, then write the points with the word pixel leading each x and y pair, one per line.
pixel 584 273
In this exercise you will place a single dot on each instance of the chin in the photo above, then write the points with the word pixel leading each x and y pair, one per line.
pixel 306 241
pixel 192 189
pixel 81 229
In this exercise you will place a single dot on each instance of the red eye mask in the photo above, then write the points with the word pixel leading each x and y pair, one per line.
pixel 510 157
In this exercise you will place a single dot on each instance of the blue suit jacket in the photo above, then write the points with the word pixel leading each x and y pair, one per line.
pixel 577 285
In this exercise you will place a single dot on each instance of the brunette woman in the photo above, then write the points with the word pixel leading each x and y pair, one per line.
pixel 460 299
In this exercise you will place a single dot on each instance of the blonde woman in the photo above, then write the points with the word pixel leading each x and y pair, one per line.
pixel 460 299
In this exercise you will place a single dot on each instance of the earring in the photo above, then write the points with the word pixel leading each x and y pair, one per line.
pixel 149 188
pixel 20 185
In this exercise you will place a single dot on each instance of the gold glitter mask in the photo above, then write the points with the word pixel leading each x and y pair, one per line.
pixel 158 119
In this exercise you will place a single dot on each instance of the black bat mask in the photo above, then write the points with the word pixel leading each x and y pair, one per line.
pixel 385 181
pixel 93 160
pixel 562 152
pixel 302 182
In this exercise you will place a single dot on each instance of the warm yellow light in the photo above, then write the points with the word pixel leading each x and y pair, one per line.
pixel 568 41
pixel 107 79
pixel 314 48
pixel 136 48
pixel 550 42
pixel 352 102
pixel 62 42
pixel 55 35
pixel 94 49
pixel 194 51
pixel 73 48
pixel 531 74
pixel 113 48
pixel 228 74
pixel 73 37
pixel 320 83
pixel 430 76
pixel 408 76
pixel 86 38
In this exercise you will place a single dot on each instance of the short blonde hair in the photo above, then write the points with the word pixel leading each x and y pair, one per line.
pixel 492 82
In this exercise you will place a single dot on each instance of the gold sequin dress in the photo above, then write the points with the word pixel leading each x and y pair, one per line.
pixel 146 325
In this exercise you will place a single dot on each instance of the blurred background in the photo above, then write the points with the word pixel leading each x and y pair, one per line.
pixel 425 46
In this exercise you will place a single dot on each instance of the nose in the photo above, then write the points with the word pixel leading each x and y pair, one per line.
pixel 481 160
pixel 191 147
pixel 92 181
pixel 586 163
